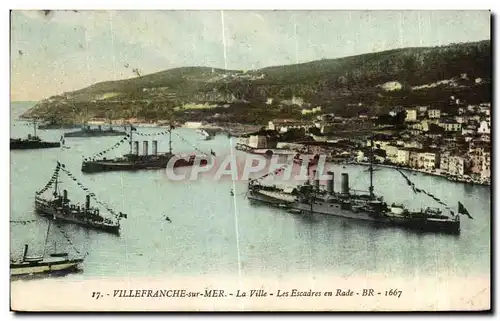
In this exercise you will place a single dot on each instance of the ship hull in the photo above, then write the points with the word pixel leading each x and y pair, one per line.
pixel 60 216
pixel 94 134
pixel 28 268
pixel 335 209
pixel 108 166
pixel 15 144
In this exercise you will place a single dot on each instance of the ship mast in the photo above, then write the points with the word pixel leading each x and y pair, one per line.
pixel 307 164
pixel 46 239
pixel 131 140
pixel 371 167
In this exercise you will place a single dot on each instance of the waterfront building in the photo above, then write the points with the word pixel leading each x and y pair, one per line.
pixel 391 153
pixel 458 165
pixel 414 158
pixel 429 160
pixel 486 168
pixel 480 157
pixel 444 161
pixel 403 157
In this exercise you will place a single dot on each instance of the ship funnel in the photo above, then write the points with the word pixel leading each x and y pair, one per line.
pixel 136 148
pixel 87 202
pixel 345 183
pixel 25 253
pixel 154 147
pixel 65 196
pixel 145 147
pixel 330 183
pixel 316 180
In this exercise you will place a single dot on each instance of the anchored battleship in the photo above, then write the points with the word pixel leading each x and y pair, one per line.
pixel 32 142
pixel 134 161
pixel 44 264
pixel 60 208
pixel 310 198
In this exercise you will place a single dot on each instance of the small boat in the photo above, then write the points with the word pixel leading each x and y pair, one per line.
pixel 205 134
pixel 59 207
pixel 32 142
pixel 43 264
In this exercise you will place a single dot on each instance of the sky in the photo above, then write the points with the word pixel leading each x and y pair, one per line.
pixel 66 50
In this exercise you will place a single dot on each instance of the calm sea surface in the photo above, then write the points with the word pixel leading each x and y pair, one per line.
pixel 204 237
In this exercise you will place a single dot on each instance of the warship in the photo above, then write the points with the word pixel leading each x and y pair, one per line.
pixel 309 198
pixel 32 142
pixel 134 161
pixel 86 131
pixel 60 208
pixel 43 264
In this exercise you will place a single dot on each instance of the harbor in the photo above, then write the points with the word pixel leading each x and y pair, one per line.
pixel 268 237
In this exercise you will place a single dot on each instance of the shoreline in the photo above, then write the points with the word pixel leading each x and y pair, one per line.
pixel 448 177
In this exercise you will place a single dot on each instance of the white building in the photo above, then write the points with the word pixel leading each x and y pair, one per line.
pixel 391 153
pixel 256 141
pixel 411 115
pixel 430 160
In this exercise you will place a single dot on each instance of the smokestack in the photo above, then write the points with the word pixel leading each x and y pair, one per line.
pixel 345 183
pixel 145 147
pixel 136 148
pixel 65 196
pixel 25 253
pixel 155 147
pixel 316 180
pixel 87 202
pixel 330 183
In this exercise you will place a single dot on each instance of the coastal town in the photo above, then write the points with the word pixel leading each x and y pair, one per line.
pixel 449 139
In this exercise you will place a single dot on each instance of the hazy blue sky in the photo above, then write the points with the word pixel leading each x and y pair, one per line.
pixel 68 50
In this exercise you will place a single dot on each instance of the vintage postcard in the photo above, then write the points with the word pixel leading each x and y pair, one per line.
pixel 195 160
